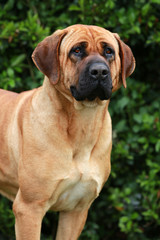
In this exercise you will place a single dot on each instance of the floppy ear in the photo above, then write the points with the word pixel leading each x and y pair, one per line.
pixel 46 56
pixel 127 60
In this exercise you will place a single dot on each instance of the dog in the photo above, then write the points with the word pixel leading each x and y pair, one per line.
pixel 56 140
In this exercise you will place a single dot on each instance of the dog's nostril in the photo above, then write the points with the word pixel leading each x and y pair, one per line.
pixel 104 72
pixel 94 72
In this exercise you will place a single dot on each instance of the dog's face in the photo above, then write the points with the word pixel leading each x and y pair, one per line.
pixel 87 62
pixel 88 58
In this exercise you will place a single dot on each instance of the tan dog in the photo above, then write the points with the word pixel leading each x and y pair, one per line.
pixel 55 141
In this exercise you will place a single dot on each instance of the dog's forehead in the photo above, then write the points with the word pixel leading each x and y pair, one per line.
pixel 90 34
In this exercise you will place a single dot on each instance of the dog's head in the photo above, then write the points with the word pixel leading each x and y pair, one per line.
pixel 87 62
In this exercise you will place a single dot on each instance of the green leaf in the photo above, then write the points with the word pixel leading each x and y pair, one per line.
pixel 157 147
pixel 142 140
pixel 9 5
pixel 123 102
pixel 10 72
pixel 129 225
pixel 155 1
pixel 74 8
pixel 120 125
pixel 136 128
pixel 145 9
pixel 137 118
pixel 17 60
pixel 135 215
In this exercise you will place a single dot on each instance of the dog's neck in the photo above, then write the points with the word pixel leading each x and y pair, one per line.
pixel 80 126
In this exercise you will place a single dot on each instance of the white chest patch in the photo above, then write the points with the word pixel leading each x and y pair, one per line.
pixel 80 196
pixel 79 189
pixel 77 192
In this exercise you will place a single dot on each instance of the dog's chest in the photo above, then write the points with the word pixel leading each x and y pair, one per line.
pixel 79 188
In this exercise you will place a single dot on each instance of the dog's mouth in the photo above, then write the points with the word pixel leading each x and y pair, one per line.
pixel 94 82
pixel 91 93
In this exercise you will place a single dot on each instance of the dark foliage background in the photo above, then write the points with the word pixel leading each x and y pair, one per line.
pixel 129 205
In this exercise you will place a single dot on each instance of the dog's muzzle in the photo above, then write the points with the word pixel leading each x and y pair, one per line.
pixel 95 81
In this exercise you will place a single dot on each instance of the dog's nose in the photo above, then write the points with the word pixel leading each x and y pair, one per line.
pixel 98 71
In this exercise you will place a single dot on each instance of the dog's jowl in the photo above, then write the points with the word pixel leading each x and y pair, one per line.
pixel 56 140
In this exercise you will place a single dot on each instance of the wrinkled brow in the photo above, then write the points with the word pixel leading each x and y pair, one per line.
pixel 82 44
pixel 106 44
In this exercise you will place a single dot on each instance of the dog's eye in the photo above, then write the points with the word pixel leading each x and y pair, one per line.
pixel 77 50
pixel 108 51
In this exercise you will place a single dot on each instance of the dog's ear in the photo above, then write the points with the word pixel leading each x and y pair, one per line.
pixel 127 60
pixel 46 55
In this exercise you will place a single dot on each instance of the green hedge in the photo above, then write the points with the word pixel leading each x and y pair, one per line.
pixel 129 205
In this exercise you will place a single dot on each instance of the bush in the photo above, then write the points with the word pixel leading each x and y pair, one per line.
pixel 129 205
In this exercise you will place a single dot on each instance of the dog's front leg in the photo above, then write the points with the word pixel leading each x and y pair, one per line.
pixel 28 218
pixel 71 224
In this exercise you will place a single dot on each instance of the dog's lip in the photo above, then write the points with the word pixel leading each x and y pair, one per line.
pixel 91 97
